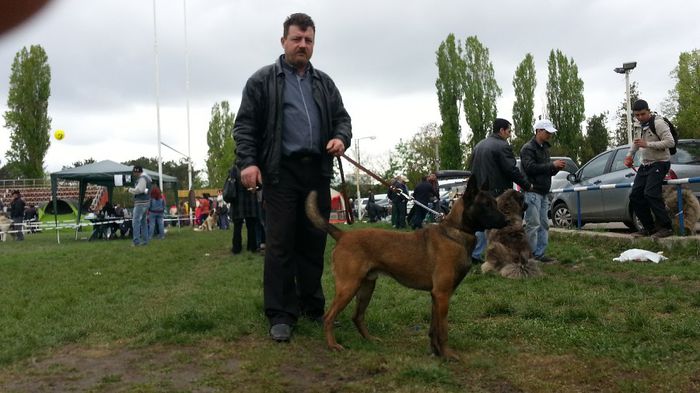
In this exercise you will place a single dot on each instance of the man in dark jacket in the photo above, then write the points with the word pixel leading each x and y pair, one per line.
pixel 424 193
pixel 538 169
pixel 17 215
pixel 493 164
pixel 290 124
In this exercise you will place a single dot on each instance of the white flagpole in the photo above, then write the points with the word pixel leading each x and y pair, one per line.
pixel 155 52
pixel 187 96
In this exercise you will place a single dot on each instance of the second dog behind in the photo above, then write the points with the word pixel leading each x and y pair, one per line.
pixel 691 208
pixel 508 252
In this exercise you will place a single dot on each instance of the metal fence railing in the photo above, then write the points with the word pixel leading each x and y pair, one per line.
pixel 677 182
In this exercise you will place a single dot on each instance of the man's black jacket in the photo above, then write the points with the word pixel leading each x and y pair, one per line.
pixel 537 166
pixel 258 127
pixel 493 163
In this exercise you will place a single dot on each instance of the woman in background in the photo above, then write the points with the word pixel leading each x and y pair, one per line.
pixel 156 210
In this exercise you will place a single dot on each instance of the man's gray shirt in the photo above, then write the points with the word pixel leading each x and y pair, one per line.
pixel 301 122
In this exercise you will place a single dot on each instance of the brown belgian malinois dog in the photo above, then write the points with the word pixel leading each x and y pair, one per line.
pixel 435 258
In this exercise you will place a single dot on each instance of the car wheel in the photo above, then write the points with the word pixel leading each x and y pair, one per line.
pixel 561 216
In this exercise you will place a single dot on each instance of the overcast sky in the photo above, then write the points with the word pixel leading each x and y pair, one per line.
pixel 381 55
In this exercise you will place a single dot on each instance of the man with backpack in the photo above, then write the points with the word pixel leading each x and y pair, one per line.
pixel 653 138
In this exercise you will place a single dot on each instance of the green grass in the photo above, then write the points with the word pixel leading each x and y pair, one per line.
pixel 183 314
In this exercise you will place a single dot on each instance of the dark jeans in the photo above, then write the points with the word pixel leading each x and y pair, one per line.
pixel 18 225
pixel 237 241
pixel 401 213
pixel 646 197
pixel 294 247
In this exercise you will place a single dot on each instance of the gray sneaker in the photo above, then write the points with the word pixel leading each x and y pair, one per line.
pixel 281 332
pixel 661 233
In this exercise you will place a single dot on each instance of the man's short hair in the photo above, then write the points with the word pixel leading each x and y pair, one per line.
pixel 640 105
pixel 300 20
pixel 138 168
pixel 500 123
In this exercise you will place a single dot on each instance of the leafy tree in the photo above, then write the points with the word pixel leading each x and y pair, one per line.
pixel 524 83
pixel 27 115
pixel 417 156
pixel 480 90
pixel 449 84
pixel 596 140
pixel 178 169
pixel 565 104
pixel 687 76
pixel 221 153
pixel 620 136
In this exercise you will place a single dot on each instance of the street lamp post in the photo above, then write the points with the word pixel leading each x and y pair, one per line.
pixel 357 174
pixel 625 69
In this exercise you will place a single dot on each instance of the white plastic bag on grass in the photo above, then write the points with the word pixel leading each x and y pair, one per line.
pixel 635 254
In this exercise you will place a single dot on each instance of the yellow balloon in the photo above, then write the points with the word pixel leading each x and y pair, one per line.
pixel 59 134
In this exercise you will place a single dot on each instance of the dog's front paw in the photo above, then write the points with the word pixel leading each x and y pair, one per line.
pixel 336 347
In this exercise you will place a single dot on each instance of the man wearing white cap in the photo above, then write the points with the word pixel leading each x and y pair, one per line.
pixel 538 170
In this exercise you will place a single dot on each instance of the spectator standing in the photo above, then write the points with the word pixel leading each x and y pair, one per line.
pixel 156 210
pixel 290 124
pixel 646 198
pixel 538 170
pixel 399 200
pixel 493 163
pixel 142 199
pixel 425 194
pixel 17 215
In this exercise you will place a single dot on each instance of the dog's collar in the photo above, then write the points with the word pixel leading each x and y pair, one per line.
pixel 449 236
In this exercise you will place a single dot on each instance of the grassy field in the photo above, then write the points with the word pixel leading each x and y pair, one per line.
pixel 183 314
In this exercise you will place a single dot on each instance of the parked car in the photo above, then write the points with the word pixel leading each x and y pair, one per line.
pixel 613 205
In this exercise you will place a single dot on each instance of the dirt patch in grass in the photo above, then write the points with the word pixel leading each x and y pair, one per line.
pixel 116 367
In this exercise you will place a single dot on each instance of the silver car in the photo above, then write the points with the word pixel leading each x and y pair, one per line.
pixel 613 205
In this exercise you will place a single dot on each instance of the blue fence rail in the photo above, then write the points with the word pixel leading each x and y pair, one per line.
pixel 677 182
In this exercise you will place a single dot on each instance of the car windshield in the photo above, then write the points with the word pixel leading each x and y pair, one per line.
pixel 688 152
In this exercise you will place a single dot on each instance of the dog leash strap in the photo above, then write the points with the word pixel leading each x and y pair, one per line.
pixel 384 182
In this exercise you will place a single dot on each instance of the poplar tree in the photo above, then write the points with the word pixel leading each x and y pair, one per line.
pixel 449 90
pixel 524 83
pixel 27 115
pixel 565 104
pixel 596 140
pixel 221 152
pixel 687 89
pixel 480 90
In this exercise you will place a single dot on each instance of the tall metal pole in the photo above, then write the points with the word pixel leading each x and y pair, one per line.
pixel 629 108
pixel 187 97
pixel 155 51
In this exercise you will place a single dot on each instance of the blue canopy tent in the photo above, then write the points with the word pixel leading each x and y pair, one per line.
pixel 104 173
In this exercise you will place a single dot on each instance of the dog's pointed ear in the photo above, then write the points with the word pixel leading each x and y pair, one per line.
pixel 472 189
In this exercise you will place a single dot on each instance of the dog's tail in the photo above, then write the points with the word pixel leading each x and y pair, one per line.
pixel 318 220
